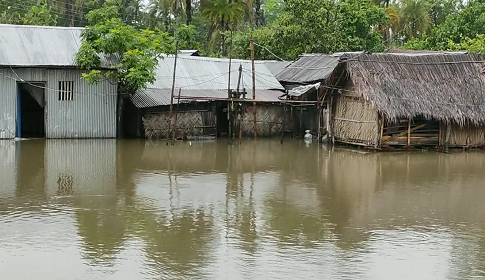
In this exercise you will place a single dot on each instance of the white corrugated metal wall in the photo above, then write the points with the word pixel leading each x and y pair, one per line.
pixel 8 103
pixel 91 113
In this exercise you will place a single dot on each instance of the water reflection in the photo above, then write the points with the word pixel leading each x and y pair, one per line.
pixel 141 209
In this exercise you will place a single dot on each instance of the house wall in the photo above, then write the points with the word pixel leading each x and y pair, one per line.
pixel 355 121
pixel 468 136
pixel 269 120
pixel 92 113
pixel 189 123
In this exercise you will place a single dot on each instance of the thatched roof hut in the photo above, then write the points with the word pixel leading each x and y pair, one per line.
pixel 414 87
pixel 447 87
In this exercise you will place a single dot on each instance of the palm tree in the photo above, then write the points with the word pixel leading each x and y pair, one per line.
pixel 394 20
pixel 224 16
pixel 415 19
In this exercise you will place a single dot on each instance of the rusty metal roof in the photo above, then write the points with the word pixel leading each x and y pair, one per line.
pixel 152 97
pixel 309 68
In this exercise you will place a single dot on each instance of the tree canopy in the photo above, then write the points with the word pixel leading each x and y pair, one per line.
pixel 280 28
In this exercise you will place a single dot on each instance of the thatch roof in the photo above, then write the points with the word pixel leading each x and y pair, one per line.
pixel 448 87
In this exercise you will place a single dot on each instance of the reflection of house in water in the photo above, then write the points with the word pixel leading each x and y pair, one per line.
pixel 7 169
pixel 408 190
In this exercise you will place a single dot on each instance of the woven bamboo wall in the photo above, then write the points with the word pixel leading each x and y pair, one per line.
pixel 355 121
pixel 269 120
pixel 190 123
pixel 468 136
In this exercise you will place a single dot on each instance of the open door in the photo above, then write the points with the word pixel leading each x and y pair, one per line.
pixel 222 121
pixel 31 110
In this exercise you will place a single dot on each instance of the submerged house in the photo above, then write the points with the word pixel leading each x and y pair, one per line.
pixel 201 100
pixel 305 80
pixel 42 93
pixel 410 99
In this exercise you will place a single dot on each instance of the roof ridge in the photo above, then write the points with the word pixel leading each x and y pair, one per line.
pixel 4 25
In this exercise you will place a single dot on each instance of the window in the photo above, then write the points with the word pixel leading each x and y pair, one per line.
pixel 66 90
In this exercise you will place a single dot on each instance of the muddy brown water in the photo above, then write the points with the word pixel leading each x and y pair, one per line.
pixel 107 209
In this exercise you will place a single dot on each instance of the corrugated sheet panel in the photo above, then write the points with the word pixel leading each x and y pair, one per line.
pixel 24 45
pixel 91 113
pixel 204 73
pixel 38 45
pixel 159 97
pixel 8 171
pixel 8 101
pixel 276 67
pixel 309 68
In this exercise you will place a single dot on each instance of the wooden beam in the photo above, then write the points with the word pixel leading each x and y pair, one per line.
pixel 403 133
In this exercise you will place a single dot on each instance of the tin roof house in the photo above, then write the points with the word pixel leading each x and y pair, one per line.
pixel 201 100
pixel 42 93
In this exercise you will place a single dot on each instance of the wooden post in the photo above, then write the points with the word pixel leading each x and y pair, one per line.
pixel 409 132
pixel 284 123
pixel 447 137
pixel 229 95
pixel 251 46
pixel 176 115
pixel 329 122
pixel 319 134
pixel 173 81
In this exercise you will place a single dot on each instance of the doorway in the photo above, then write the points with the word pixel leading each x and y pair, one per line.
pixel 30 110
pixel 222 122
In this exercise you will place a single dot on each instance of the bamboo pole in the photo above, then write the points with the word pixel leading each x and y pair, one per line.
pixel 176 115
pixel 409 132
pixel 173 81
pixel 229 95
pixel 447 136
pixel 284 123
pixel 251 46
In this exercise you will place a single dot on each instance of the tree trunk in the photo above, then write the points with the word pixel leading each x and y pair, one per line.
pixel 257 14
pixel 188 11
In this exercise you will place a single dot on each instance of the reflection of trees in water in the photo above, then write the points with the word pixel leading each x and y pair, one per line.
pixel 177 241
pixel 292 226
pixel 101 226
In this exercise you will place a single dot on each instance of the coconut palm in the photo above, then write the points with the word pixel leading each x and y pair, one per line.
pixel 415 19
pixel 224 16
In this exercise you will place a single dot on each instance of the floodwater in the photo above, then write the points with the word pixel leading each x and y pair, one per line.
pixel 107 209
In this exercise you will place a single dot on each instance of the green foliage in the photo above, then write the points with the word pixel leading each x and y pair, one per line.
pixel 35 15
pixel 187 37
pixel 137 51
pixel 415 20
pixel 466 25
pixel 316 26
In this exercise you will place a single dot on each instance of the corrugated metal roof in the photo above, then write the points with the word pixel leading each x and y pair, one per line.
pixel 206 73
pixel 152 97
pixel 309 68
pixel 421 53
pixel 25 45
pixel 275 66
pixel 207 78
pixel 22 45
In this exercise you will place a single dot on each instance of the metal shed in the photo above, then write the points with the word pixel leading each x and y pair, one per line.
pixel 42 93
